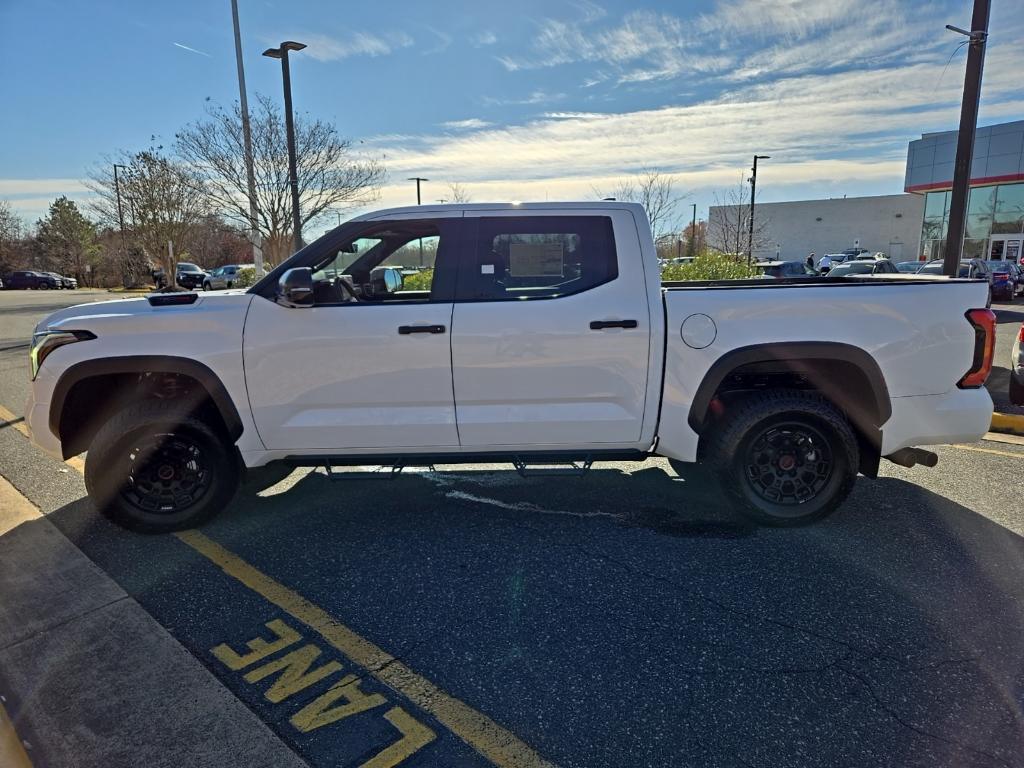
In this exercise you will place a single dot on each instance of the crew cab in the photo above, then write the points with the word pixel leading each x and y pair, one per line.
pixel 541 334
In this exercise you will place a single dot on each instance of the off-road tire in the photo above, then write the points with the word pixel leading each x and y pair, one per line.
pixel 130 454
pixel 791 425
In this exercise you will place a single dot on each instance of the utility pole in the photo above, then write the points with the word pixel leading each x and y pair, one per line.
pixel 693 232
pixel 120 211
pixel 254 230
pixel 417 179
pixel 289 124
pixel 753 189
pixel 977 37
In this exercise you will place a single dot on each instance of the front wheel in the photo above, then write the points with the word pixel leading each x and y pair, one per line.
pixel 785 458
pixel 206 286
pixel 155 468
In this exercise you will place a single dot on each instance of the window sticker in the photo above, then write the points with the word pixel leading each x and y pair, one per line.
pixel 486 269
pixel 536 259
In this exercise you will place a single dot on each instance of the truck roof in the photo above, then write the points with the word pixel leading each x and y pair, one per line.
pixel 585 205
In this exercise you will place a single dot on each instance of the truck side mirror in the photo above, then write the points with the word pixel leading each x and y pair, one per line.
pixel 295 288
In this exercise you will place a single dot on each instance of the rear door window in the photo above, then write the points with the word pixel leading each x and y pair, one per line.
pixel 538 257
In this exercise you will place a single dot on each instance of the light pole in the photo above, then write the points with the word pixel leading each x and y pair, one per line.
pixel 120 211
pixel 289 123
pixel 977 36
pixel 417 179
pixel 693 232
pixel 753 189
pixel 250 178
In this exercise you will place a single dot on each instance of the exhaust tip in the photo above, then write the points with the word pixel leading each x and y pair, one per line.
pixel 911 457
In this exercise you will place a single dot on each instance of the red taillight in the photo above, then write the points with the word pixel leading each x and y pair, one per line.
pixel 1020 336
pixel 984 322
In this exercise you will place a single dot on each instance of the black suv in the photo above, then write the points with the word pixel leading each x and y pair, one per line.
pixel 189 275
pixel 33 280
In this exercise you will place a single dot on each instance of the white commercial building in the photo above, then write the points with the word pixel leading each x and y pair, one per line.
pixel 887 223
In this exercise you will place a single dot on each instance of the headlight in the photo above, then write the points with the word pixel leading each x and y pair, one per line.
pixel 44 342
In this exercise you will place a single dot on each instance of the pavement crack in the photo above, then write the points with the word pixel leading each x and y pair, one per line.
pixel 891 712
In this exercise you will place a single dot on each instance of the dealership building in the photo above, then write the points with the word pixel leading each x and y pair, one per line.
pixel 911 225
pixel 995 208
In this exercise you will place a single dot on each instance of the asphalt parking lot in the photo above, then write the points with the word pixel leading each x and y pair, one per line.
pixel 472 617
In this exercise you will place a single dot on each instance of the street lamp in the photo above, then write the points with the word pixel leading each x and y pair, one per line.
pixel 417 179
pixel 693 232
pixel 753 189
pixel 293 177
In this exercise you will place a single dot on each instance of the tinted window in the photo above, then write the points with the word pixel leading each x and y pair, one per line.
pixel 540 257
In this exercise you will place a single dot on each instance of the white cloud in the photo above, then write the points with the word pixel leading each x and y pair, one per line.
pixel 538 96
pixel 486 37
pixel 326 48
pixel 472 123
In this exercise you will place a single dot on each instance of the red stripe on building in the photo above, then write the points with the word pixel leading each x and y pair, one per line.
pixel 984 181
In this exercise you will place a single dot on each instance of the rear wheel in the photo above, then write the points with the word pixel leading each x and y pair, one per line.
pixel 785 458
pixel 155 468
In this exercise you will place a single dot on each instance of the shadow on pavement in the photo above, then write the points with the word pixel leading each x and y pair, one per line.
pixel 632 618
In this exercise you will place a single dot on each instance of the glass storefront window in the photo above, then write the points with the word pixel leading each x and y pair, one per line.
pixel 982 202
pixel 936 205
pixel 978 226
pixel 1009 213
pixel 975 249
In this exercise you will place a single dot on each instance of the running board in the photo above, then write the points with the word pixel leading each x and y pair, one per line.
pixel 553 468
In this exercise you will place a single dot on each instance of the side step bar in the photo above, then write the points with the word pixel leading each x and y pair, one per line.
pixel 910 457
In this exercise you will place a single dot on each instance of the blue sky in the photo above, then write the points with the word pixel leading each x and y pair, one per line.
pixel 526 100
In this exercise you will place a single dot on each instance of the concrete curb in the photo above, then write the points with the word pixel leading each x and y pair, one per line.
pixel 89 678
pixel 1008 422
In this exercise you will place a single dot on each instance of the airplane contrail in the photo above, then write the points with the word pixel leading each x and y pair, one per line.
pixel 201 53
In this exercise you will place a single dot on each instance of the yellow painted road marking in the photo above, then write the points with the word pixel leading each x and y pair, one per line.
pixel 988 450
pixel 12 751
pixel 75 462
pixel 497 744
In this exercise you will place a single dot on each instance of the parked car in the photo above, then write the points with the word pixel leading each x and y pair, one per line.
pixel 546 336
pixel 785 269
pixel 1007 280
pixel 223 277
pixel 189 275
pixel 1017 369
pixel 864 267
pixel 866 256
pixel 908 267
pixel 63 280
pixel 975 269
pixel 26 279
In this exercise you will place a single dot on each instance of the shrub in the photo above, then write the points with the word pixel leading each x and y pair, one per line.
pixel 246 278
pixel 420 281
pixel 711 266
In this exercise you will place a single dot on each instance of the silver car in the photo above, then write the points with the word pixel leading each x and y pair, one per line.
pixel 223 277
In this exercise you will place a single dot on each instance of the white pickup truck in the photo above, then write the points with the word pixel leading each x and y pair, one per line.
pixel 538 334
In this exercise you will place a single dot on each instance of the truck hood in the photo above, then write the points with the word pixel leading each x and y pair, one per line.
pixel 132 311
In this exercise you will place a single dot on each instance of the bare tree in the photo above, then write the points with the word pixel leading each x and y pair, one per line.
pixel 329 175
pixel 728 228
pixel 656 192
pixel 163 200
pixel 458 193
pixel 10 236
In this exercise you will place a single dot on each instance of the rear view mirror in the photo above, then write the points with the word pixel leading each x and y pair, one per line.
pixel 295 288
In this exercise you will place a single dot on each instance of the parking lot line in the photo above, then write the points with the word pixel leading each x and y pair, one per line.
pixel 988 450
pixel 18 423
pixel 491 740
